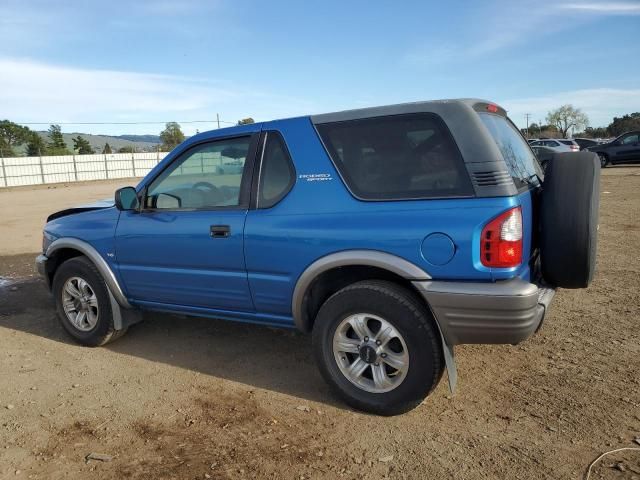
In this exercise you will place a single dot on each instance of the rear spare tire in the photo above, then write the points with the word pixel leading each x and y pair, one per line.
pixel 569 219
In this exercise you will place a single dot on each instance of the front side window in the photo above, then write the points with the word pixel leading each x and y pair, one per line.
pixel 397 157
pixel 277 174
pixel 631 139
pixel 207 176
pixel 520 160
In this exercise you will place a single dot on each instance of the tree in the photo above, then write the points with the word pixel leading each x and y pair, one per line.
pixel 106 149
pixel 567 117
pixel 36 146
pixel 11 135
pixel 598 132
pixel 171 136
pixel 127 149
pixel 246 121
pixel 57 145
pixel 624 124
pixel 82 146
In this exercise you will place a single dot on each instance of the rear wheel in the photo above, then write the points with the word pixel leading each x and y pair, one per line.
pixel 377 346
pixel 82 303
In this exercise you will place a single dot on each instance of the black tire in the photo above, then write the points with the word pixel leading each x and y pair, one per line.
pixel 104 331
pixel 604 160
pixel 569 219
pixel 413 321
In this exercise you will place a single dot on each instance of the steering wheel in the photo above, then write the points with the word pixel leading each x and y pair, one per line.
pixel 207 185
pixel 213 192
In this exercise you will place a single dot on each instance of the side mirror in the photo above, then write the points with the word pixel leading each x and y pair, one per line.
pixel 127 199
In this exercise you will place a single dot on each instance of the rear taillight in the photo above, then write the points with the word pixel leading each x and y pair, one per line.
pixel 501 242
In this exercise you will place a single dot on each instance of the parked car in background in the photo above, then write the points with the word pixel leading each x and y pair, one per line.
pixel 624 149
pixel 570 143
pixel 531 140
pixel 586 142
pixel 543 154
pixel 391 234
pixel 556 145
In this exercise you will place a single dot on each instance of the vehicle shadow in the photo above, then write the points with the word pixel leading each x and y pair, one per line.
pixel 268 358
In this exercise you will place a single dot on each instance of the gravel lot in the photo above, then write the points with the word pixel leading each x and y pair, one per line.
pixel 191 398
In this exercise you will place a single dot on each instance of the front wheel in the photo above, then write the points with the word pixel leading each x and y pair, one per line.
pixel 82 303
pixel 604 160
pixel 376 344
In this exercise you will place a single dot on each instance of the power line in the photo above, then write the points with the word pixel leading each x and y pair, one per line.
pixel 125 123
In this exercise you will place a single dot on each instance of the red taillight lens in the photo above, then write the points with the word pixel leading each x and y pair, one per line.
pixel 501 242
pixel 492 108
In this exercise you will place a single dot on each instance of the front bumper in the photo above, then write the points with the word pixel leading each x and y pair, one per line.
pixel 501 312
pixel 41 266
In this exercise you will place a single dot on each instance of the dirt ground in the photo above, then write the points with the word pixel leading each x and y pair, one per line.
pixel 188 398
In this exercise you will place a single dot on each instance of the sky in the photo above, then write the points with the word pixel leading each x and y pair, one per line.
pixel 121 62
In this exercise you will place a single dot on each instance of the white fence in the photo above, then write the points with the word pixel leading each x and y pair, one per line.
pixel 75 168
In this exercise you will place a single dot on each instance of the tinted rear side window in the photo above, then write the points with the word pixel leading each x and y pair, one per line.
pixel 397 157
pixel 277 174
pixel 520 160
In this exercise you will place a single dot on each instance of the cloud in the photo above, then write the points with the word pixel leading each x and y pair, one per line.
pixel 600 104
pixel 32 91
pixel 489 29
pixel 609 8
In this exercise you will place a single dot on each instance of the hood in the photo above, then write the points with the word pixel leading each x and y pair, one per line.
pixel 100 204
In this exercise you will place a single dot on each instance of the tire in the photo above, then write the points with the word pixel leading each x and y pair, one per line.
pixel 376 302
pixel 604 160
pixel 97 327
pixel 569 219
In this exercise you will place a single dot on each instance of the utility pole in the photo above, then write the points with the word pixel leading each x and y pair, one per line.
pixel 527 115
pixel 218 119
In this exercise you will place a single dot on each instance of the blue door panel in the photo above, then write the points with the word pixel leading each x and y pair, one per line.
pixel 169 257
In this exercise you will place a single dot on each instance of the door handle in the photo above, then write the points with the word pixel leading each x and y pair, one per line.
pixel 219 231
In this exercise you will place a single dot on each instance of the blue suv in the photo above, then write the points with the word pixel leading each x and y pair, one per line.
pixel 391 234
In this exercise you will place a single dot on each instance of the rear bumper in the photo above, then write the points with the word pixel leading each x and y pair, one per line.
pixel 501 312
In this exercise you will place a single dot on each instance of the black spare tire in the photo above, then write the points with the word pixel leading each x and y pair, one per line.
pixel 569 219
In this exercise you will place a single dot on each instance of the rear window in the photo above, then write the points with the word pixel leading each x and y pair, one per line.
pixel 566 142
pixel 521 162
pixel 397 157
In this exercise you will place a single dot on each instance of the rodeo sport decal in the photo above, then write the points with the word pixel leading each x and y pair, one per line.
pixel 315 177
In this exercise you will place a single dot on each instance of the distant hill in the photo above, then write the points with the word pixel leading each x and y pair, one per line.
pixel 139 138
pixel 141 143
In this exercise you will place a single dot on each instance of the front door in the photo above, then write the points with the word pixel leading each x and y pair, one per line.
pixel 186 245
pixel 627 148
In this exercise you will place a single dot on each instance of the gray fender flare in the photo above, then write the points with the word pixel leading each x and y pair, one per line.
pixel 372 258
pixel 123 312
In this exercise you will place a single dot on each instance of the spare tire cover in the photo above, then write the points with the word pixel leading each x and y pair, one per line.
pixel 569 219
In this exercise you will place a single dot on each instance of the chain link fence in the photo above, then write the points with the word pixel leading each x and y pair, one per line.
pixel 19 171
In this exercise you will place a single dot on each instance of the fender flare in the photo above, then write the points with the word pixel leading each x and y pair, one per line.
pixel 371 258
pixel 97 259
